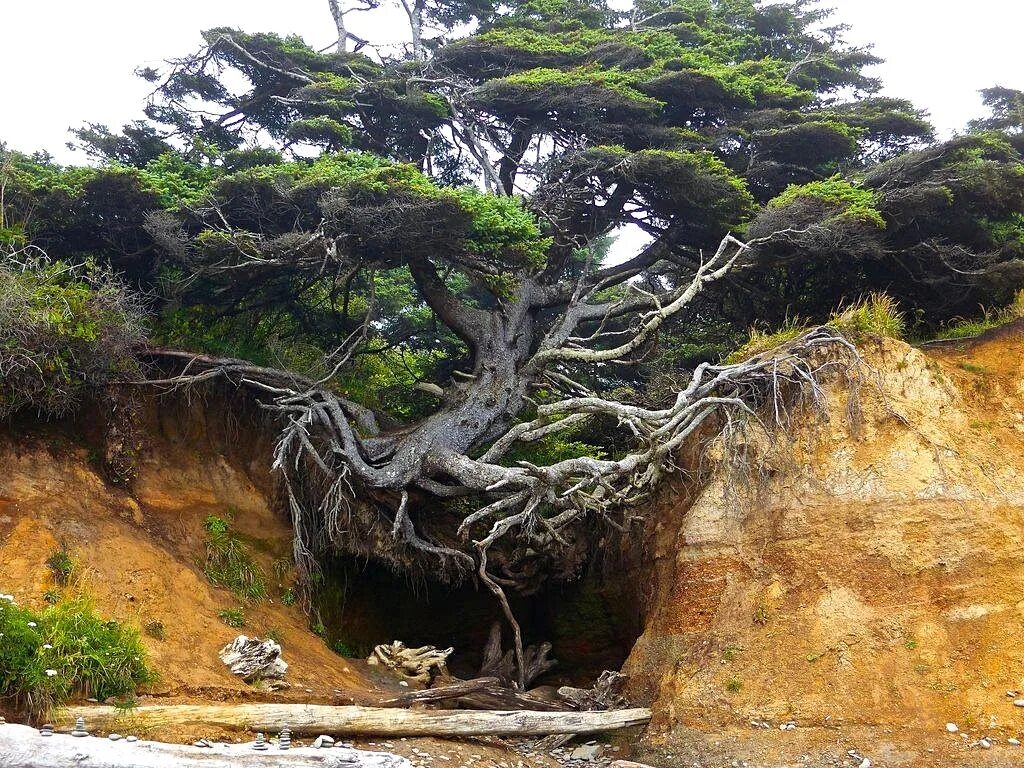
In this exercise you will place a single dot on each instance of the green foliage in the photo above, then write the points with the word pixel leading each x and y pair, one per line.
pixel 875 316
pixel 344 649
pixel 844 199
pixel 288 597
pixel 233 617
pixel 61 565
pixel 228 562
pixel 65 651
pixel 760 342
pixel 63 332
pixel 558 446
pixel 972 328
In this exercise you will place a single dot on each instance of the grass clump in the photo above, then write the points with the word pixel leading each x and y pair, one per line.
pixel 228 562
pixel 61 565
pixel 969 329
pixel 156 630
pixel 233 617
pixel 876 316
pixel 760 342
pixel 66 651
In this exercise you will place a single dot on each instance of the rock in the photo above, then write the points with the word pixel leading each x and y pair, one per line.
pixel 952 728
pixel 985 744
pixel 587 752
pixel 284 739
pixel 628 764
pixel 46 730
pixel 1013 742
pixel 202 743
pixel 131 738
pixel 1018 703
pixel 79 730
pixel 260 743
pixel 254 659
pixel 323 741
pixel 865 763
pixel 114 736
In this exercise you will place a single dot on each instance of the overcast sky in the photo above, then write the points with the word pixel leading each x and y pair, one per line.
pixel 67 61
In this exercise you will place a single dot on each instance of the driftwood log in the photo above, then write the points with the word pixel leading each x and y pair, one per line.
pixel 419 664
pixel 352 721
pixel 504 664
pixel 485 693
pixel 606 693
pixel 23 747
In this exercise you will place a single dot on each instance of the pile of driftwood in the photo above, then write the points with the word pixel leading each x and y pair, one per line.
pixel 490 704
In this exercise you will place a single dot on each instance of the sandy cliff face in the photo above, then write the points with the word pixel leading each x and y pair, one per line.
pixel 139 554
pixel 876 579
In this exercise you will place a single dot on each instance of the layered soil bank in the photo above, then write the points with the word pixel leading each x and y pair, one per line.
pixel 870 579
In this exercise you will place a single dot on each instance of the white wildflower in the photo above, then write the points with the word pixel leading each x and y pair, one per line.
pixel 31 623
pixel 51 673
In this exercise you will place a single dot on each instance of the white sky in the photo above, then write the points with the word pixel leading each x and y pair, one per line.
pixel 64 62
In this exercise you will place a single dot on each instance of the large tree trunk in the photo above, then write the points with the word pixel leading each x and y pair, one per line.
pixel 353 721
pixel 23 747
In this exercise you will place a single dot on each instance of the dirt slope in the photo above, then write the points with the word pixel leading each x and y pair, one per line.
pixel 872 590
pixel 138 555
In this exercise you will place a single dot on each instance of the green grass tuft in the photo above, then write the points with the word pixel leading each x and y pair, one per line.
pixel 228 562
pixel 760 342
pixel 233 617
pixel 876 316
pixel 972 328
pixel 66 651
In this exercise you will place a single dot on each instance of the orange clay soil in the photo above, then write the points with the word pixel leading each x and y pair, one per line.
pixel 869 587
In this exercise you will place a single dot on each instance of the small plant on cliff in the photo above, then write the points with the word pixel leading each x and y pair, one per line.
pixel 233 617
pixel 61 565
pixel 156 630
pixel 65 651
pixel 228 562
pixel 875 316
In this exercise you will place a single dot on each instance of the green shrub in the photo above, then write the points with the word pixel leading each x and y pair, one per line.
pixel 61 565
pixel 233 617
pixel 66 651
pixel 63 331
pixel 228 562
pixel 156 630
pixel 288 596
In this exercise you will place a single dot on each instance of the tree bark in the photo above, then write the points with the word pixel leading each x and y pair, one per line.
pixel 353 721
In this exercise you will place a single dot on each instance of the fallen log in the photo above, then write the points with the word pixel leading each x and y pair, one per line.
pixel 485 693
pixel 23 747
pixel 352 721
pixel 441 693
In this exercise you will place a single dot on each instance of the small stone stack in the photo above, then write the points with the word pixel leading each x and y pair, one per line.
pixel 284 740
pixel 46 730
pixel 260 743
pixel 80 728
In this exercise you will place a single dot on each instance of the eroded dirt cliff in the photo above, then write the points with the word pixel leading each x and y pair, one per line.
pixel 869 586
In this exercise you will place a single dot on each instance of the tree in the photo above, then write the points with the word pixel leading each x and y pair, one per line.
pixel 442 219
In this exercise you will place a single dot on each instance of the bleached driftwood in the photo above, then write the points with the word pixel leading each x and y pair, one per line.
pixel 488 693
pixel 354 721
pixel 23 747
pixel 419 664
pixel 505 665
pixel 606 693
pixel 253 659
